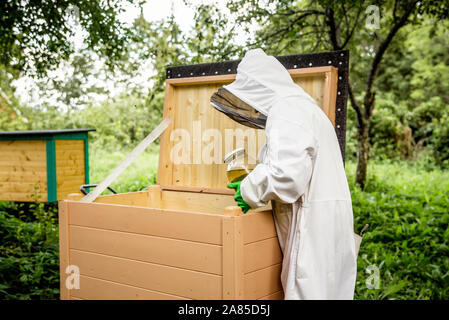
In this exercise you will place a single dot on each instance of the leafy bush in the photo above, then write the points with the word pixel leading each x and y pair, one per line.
pixel 29 257
pixel 440 141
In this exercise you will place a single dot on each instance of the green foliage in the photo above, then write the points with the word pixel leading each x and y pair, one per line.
pixel 412 90
pixel 29 257
pixel 440 141
pixel 408 213
pixel 35 35
pixel 120 122
pixel 138 176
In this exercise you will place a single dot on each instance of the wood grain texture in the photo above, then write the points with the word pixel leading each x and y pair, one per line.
pixel 187 104
pixel 64 246
pixel 279 295
pixel 233 280
pixel 258 226
pixel 23 170
pixel 139 198
pixel 164 279
pixel 263 282
pixel 173 224
pixel 195 201
pixel 176 253
pixel 98 289
pixel 70 169
pixel 261 254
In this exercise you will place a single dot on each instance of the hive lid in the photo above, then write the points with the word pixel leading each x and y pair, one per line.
pixel 27 133
pixel 193 146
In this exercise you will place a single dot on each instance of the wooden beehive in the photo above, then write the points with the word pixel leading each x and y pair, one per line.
pixel 43 165
pixel 184 238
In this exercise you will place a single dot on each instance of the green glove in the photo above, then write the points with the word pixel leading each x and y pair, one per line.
pixel 238 196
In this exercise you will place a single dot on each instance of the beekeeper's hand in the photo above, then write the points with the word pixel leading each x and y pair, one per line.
pixel 238 196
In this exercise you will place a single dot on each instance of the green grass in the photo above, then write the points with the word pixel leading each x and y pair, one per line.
pixel 408 212
pixel 406 205
pixel 138 176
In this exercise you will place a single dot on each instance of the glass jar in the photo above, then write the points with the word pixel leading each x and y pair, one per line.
pixel 238 166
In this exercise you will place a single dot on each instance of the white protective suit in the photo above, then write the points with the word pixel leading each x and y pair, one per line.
pixel 301 169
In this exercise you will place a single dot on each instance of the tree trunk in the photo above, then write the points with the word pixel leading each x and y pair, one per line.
pixel 362 155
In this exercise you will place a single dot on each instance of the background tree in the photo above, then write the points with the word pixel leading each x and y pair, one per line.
pixel 307 26
pixel 35 35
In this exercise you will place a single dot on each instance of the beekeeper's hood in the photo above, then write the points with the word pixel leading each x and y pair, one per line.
pixel 260 81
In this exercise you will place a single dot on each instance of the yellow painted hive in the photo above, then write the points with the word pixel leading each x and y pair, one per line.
pixel 43 165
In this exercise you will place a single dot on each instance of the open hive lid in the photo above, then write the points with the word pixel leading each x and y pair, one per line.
pixel 198 137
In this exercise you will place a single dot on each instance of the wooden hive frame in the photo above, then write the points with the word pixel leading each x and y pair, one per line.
pixel 184 238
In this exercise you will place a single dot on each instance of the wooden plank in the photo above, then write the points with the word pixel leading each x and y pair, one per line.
pixel 69 145
pixel 309 72
pixel 64 258
pixel 221 79
pixel 21 145
pixel 165 279
pixel 70 154
pixel 176 253
pixel 68 163
pixel 21 164
pixel 262 254
pixel 258 226
pixel 263 282
pixel 69 166
pixel 154 196
pixel 274 296
pixel 139 198
pixel 28 176
pixel 233 281
pixel 23 187
pixel 200 227
pixel 98 289
pixel 20 196
pixel 23 155
pixel 165 171
pixel 330 94
pixel 132 198
pixel 70 181
pixel 196 202
pixel 199 189
pixel 76 171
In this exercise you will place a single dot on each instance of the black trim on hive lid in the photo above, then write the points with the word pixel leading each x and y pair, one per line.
pixel 338 59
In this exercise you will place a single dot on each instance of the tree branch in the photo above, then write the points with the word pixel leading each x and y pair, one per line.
pixel 348 37
pixel 334 33
pixel 369 96
pixel 356 106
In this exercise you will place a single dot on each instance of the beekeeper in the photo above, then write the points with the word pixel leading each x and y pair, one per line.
pixel 301 170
